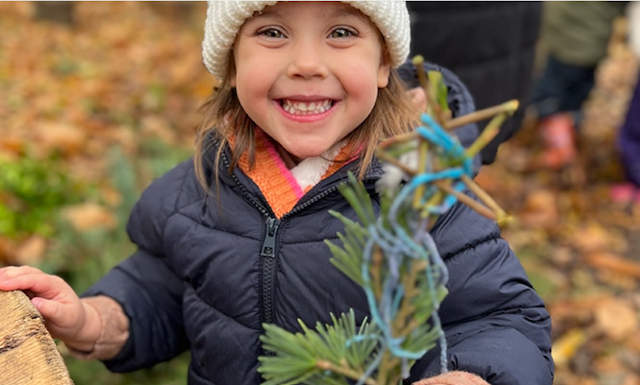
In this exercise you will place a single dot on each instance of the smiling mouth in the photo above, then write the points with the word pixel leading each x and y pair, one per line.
pixel 306 108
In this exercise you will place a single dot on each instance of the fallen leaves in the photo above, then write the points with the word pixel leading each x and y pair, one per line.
pixel 59 137
pixel 121 65
pixel 540 209
pixel 30 252
pixel 566 346
pixel 120 77
pixel 616 319
pixel 89 216
pixel 580 249
pixel 613 263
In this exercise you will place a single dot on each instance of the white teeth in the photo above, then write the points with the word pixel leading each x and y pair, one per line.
pixel 301 108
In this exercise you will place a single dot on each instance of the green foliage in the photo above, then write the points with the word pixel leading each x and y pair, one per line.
pixel 82 257
pixel 350 256
pixel 94 373
pixel 31 193
pixel 160 157
pixel 305 357
pixel 34 192
pixel 349 259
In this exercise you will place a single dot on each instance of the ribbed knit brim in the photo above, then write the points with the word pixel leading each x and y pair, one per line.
pixel 224 19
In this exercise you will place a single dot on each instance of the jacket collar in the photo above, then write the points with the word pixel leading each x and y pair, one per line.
pixel 266 187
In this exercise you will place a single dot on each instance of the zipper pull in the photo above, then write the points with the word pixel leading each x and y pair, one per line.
pixel 269 244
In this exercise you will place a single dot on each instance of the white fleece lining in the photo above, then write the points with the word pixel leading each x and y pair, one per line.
pixel 310 171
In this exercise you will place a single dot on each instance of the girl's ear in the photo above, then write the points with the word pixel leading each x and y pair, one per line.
pixel 384 70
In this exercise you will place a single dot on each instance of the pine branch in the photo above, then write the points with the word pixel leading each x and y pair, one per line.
pixel 326 355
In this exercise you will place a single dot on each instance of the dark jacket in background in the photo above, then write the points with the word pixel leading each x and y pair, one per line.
pixel 489 45
pixel 629 139
pixel 577 33
pixel 202 280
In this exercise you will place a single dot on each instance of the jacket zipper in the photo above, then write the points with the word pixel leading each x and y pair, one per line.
pixel 268 262
pixel 317 198
pixel 313 200
pixel 268 250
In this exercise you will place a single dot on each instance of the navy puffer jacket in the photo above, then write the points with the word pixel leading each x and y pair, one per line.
pixel 210 270
pixel 490 45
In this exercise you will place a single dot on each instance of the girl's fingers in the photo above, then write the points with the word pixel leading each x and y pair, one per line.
pixel 35 281
pixel 48 309
pixel 51 295
pixel 13 271
pixel 39 284
pixel 61 320
pixel 418 98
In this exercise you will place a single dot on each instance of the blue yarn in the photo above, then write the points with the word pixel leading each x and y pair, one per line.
pixel 398 246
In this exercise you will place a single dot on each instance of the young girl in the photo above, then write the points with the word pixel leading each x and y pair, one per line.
pixel 306 91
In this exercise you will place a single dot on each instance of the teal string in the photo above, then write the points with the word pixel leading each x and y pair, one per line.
pixel 397 245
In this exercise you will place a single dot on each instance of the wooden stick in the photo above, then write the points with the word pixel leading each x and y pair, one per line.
pixel 501 215
pixel 482 210
pixel 509 107
pixel 28 354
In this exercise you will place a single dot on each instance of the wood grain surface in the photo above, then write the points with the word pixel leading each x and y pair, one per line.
pixel 28 354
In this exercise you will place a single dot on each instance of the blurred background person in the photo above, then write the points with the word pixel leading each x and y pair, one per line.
pixel 628 192
pixel 575 36
pixel 490 46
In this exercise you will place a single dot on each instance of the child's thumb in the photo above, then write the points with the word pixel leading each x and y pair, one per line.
pixel 47 308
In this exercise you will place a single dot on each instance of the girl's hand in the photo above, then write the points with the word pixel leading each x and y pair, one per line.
pixel 66 316
pixel 418 98
pixel 453 378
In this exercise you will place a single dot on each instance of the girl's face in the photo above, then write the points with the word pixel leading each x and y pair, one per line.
pixel 308 73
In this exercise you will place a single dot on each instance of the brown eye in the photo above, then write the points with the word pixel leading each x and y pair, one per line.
pixel 341 33
pixel 272 33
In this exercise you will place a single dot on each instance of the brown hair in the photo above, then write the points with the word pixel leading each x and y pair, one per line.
pixel 391 115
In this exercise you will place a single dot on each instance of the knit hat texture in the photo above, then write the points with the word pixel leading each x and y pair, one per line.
pixel 224 19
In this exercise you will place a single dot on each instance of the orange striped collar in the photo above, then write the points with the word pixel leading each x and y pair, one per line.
pixel 283 187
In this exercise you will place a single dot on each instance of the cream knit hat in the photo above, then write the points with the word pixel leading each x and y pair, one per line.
pixel 224 19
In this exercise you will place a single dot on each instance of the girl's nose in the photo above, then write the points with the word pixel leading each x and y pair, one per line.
pixel 308 61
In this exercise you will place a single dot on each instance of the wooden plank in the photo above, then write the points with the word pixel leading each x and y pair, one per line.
pixel 28 354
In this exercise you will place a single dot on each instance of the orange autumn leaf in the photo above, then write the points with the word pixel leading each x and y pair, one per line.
pixel 89 216
pixel 540 209
pixel 617 319
pixel 62 137
pixel 613 262
pixel 30 252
